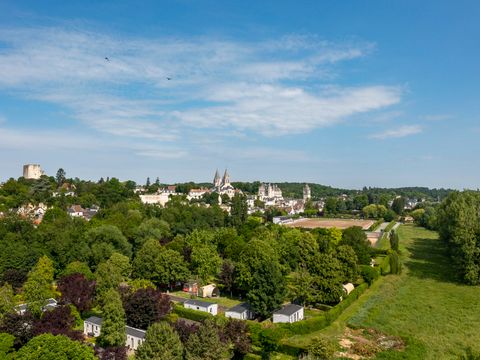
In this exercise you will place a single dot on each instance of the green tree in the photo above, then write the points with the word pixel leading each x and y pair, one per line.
pixel 267 289
pixel 331 205
pixel 50 347
pixel 7 300
pixel 348 261
pixel 205 344
pixel 38 287
pixel 78 267
pixel 105 240
pixel 122 263
pixel 395 262
pixel 6 345
pixel 107 276
pixel 205 262
pixel 398 205
pixel 161 343
pixel 459 227
pixel 357 239
pixel 239 210
pixel 113 324
pixel 394 241
pixel 60 177
pixel 161 265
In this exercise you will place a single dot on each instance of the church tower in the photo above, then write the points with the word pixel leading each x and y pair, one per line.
pixel 307 195
pixel 217 181
pixel 226 178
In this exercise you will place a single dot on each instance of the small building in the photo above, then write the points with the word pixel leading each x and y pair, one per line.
pixel 241 311
pixel 50 304
pixel 288 314
pixel 135 337
pixel 75 211
pixel 191 287
pixel 92 326
pixel 209 291
pixel 199 305
pixel 348 288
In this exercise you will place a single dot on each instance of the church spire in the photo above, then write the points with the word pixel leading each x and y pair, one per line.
pixel 216 179
pixel 226 178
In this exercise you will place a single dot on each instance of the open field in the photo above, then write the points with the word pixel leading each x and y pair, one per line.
pixel 438 317
pixel 329 223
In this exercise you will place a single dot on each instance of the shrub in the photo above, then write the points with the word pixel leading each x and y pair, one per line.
pixel 320 349
pixel 191 314
pixel 368 273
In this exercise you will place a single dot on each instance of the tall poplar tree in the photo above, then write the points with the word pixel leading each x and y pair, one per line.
pixel 113 326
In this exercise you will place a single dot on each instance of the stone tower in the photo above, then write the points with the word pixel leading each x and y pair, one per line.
pixel 32 171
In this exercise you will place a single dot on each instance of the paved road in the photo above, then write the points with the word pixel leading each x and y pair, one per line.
pixel 381 227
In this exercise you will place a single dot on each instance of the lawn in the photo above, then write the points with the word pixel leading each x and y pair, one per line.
pixel 437 316
pixel 425 303
pixel 222 301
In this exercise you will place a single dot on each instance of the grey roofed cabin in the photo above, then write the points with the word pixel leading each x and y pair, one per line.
pixel 94 320
pixel 198 303
pixel 288 314
pixel 241 311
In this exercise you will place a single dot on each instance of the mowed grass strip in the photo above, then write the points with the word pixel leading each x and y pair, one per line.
pixel 425 304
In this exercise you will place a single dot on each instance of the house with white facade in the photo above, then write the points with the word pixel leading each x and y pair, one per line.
pixel 241 311
pixel 135 337
pixel 288 314
pixel 199 305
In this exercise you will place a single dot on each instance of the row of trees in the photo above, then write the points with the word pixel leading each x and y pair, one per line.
pixel 458 222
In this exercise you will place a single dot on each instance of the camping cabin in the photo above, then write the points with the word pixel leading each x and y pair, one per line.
pixel 201 306
pixel 241 311
pixel 93 326
pixel 348 288
pixel 209 291
pixel 288 314
pixel 191 287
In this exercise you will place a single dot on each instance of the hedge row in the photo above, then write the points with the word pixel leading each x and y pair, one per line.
pixel 190 314
pixel 376 224
pixel 277 332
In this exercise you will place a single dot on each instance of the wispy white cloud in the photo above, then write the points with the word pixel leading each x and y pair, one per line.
pixel 399 132
pixel 267 87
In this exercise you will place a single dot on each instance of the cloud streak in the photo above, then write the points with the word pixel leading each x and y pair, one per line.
pixel 399 132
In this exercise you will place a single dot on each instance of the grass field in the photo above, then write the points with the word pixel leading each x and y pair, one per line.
pixel 329 223
pixel 438 317
pixel 424 304
pixel 222 301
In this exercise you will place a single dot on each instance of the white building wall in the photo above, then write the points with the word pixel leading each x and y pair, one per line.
pixel 212 309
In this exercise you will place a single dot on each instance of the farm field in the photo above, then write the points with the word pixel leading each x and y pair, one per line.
pixel 329 223
pixel 438 317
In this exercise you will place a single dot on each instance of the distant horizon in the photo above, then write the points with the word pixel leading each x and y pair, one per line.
pixel 232 178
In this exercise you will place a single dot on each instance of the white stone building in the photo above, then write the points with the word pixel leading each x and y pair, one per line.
pixel 32 171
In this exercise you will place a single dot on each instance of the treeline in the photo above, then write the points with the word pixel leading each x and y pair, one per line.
pixel 458 222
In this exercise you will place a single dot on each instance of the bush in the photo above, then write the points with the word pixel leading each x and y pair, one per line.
pixel 191 314
pixel 320 349
pixel 368 273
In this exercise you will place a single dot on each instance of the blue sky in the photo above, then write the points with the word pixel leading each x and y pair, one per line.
pixel 344 93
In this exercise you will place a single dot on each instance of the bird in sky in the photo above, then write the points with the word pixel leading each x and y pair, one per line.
pixel 106 58
pixel 169 78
